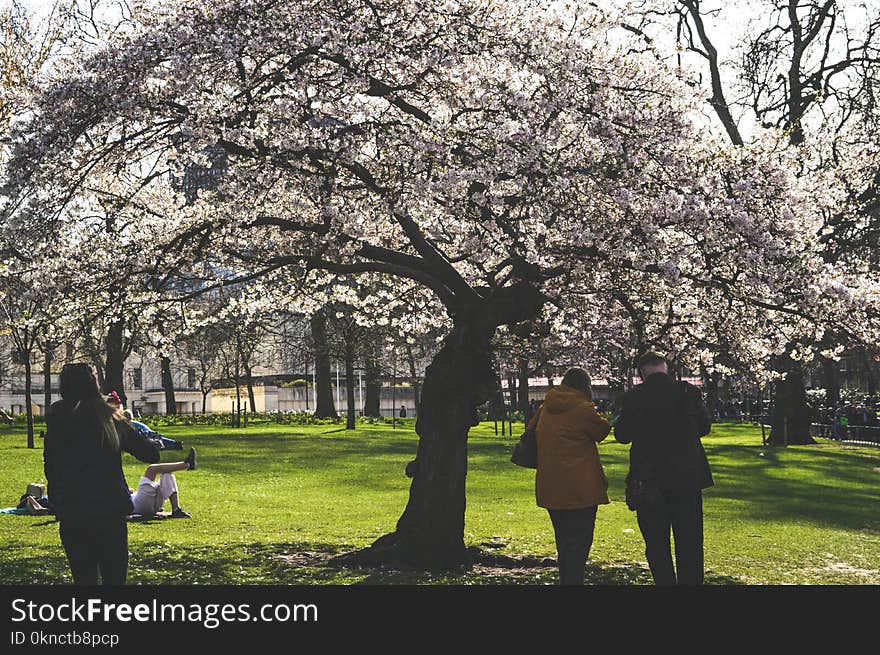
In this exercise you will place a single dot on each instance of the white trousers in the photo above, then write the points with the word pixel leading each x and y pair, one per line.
pixel 151 495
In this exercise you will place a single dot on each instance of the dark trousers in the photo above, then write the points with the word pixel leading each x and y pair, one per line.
pixel 683 512
pixel 574 537
pixel 96 546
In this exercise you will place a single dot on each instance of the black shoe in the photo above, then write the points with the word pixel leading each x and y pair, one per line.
pixel 180 514
pixel 191 459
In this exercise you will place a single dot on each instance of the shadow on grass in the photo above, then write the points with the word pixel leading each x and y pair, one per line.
pixel 496 569
pixel 18 568
pixel 781 484
pixel 305 563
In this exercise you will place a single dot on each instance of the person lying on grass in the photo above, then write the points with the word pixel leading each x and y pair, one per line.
pixel 161 442
pixel 164 443
pixel 151 494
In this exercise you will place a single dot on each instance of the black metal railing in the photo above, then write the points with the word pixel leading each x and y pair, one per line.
pixel 854 433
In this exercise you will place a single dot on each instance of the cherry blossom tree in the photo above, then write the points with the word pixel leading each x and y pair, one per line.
pixel 504 159
pixel 806 73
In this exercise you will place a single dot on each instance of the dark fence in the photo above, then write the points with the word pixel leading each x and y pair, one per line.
pixel 852 433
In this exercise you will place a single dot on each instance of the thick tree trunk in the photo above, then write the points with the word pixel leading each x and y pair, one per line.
pixel 115 362
pixel 430 532
pixel 168 387
pixel 28 401
pixel 324 407
pixel 349 387
pixel 372 388
pixel 790 417
pixel 204 401
pixel 831 382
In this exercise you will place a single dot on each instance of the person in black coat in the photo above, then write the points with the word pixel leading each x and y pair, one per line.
pixel 664 420
pixel 82 456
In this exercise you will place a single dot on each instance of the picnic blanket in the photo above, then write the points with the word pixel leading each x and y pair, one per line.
pixel 130 517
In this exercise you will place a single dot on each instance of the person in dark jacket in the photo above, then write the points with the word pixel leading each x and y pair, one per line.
pixel 82 456
pixel 664 420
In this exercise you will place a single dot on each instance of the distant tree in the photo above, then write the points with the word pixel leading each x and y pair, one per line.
pixel 324 407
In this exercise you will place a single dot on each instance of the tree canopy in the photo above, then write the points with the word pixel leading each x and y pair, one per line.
pixel 472 148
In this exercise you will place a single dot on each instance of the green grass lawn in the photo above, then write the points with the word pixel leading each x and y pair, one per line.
pixel 271 504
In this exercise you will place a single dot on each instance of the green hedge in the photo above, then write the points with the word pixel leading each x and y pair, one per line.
pixel 280 418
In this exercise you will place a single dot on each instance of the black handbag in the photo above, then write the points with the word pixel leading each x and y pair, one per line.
pixel 525 452
pixel 643 494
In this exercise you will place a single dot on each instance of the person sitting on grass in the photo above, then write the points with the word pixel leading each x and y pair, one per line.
pixel 35 507
pixel 151 495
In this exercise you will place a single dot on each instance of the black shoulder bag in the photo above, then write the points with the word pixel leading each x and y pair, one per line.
pixel 525 452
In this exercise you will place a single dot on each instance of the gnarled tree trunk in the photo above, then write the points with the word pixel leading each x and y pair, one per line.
pixel 790 417
pixel 430 532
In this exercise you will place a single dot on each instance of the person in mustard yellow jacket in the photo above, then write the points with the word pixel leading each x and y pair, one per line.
pixel 570 483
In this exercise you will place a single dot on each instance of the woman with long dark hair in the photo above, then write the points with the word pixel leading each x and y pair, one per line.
pixel 82 456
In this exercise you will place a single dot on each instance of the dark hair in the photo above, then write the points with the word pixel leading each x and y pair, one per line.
pixel 79 385
pixel 78 382
pixel 578 378
pixel 650 359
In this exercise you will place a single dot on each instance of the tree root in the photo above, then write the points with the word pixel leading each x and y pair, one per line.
pixel 387 553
